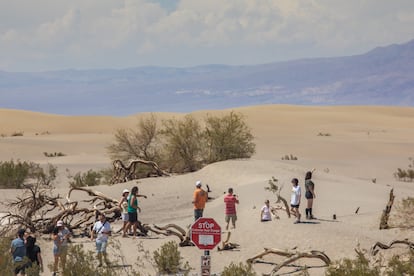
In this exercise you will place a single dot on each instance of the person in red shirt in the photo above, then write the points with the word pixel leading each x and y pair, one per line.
pixel 230 200
pixel 199 200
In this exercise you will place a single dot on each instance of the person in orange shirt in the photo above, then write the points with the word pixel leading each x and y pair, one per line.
pixel 199 200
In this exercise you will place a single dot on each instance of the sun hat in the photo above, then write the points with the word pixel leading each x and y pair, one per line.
pixel 198 183
pixel 125 191
pixel 59 223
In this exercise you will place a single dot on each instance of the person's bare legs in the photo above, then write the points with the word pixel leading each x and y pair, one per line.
pixel 309 207
pixel 56 263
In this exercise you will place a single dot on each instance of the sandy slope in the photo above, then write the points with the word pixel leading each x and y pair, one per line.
pixel 364 143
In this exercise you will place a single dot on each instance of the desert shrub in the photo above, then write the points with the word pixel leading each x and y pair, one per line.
pixel 404 215
pixel 183 143
pixel 53 154
pixel 137 144
pixel 168 259
pixel 238 269
pixel 401 265
pixel 89 178
pixel 406 175
pixel 324 134
pixel 14 174
pixel 17 133
pixel 353 267
pixel 289 157
pixel 6 264
pixel 228 137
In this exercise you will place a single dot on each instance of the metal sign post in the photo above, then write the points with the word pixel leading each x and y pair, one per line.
pixel 205 234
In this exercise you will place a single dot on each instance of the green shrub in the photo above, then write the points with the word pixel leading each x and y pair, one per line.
pixel 168 259
pixel 238 269
pixel 406 175
pixel 184 145
pixel 16 174
pixel 400 266
pixel 289 157
pixel 54 154
pixel 89 178
pixel 228 137
pixel 348 267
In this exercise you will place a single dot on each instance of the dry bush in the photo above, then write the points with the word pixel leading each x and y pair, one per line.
pixel 407 174
pixel 403 217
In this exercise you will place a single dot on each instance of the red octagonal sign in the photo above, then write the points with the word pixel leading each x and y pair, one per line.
pixel 205 233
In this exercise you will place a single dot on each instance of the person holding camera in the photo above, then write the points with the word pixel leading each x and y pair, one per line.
pixel 230 200
pixel 102 230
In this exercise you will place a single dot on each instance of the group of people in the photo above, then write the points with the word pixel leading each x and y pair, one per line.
pixel 295 199
pixel 24 245
pixel 25 252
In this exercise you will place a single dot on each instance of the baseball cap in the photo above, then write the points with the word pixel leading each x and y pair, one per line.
pixel 59 223
pixel 125 191
pixel 198 183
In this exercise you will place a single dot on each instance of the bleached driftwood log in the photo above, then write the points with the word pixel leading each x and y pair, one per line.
pixel 377 245
pixel 227 245
pixel 124 173
pixel 291 257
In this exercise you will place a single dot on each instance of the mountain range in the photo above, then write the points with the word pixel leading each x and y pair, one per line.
pixel 382 76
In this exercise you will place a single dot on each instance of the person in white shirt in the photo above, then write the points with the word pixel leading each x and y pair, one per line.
pixel 265 214
pixel 102 229
pixel 295 199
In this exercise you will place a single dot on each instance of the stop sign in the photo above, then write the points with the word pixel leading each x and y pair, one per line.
pixel 205 233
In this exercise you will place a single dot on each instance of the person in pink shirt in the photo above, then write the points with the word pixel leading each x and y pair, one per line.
pixel 230 200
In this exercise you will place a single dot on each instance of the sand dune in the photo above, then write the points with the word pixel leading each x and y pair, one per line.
pixel 363 143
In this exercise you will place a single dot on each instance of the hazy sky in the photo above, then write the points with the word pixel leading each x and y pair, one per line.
pixel 40 35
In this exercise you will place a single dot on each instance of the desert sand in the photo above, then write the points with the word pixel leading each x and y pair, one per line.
pixel 364 143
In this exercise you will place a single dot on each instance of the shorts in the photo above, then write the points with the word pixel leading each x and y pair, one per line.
pixel 56 251
pixel 232 217
pixel 294 205
pixel 101 246
pixel 125 217
pixel 132 217
pixel 308 195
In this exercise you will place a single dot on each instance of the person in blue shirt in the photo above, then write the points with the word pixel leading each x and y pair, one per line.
pixel 18 251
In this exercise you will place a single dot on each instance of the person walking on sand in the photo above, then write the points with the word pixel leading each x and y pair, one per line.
pixel 33 252
pixel 18 252
pixel 64 235
pixel 133 210
pixel 123 205
pixel 199 200
pixel 309 194
pixel 295 199
pixel 102 229
pixel 230 200
pixel 265 214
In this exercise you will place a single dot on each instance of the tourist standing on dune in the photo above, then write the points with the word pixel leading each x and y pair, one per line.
pixel 295 199
pixel 123 205
pixel 102 229
pixel 309 194
pixel 230 200
pixel 199 200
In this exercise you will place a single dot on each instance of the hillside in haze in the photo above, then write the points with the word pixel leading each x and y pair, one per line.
pixel 383 76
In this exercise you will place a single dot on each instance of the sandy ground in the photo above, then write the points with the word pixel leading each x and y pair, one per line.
pixel 364 143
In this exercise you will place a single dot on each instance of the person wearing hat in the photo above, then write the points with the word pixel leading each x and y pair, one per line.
pixel 60 237
pixel 18 251
pixel 199 200
pixel 123 205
